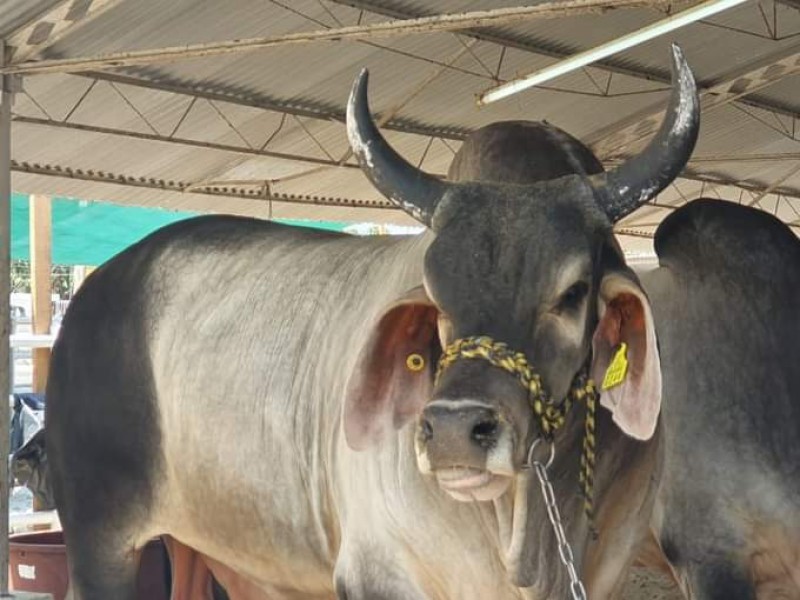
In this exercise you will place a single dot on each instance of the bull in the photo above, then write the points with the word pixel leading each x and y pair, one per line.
pixel 349 464
pixel 727 514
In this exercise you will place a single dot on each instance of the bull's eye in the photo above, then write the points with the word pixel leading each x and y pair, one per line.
pixel 572 298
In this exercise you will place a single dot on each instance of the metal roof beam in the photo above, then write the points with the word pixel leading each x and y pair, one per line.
pixel 241 150
pixel 756 188
pixel 256 192
pixel 689 175
pixel 733 87
pixel 556 51
pixel 723 158
pixel 51 26
pixel 509 40
pixel 430 24
pixel 299 108
pixel 149 137
pixel 734 158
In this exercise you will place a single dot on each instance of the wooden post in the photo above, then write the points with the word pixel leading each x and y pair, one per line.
pixel 41 287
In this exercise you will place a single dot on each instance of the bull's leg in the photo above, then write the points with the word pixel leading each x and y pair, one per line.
pixel 106 514
pixel 718 559
pixel 191 579
pixel 370 574
pixel 104 455
pixel 703 572
pixel 767 574
pixel 101 566
pixel 106 522
pixel 218 591
pixel 720 580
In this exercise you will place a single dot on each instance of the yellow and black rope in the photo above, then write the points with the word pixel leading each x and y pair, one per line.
pixel 549 415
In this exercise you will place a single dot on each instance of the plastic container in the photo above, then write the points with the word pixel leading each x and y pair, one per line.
pixel 38 563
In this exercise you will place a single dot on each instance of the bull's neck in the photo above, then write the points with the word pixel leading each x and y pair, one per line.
pixel 536 565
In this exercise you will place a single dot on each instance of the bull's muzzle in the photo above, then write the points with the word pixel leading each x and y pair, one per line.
pixel 467 446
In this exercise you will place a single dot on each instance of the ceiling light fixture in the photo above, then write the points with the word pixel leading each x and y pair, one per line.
pixel 654 30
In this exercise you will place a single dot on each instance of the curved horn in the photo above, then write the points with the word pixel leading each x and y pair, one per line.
pixel 642 177
pixel 413 190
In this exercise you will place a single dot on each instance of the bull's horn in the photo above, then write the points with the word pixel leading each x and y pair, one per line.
pixel 640 178
pixel 413 190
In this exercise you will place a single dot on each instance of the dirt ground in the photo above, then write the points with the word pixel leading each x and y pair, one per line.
pixel 644 584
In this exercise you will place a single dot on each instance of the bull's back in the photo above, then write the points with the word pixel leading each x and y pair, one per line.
pixel 727 318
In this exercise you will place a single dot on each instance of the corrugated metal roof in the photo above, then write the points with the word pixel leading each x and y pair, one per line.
pixel 300 81
pixel 17 13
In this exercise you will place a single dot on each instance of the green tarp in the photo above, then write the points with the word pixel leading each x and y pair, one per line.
pixel 89 233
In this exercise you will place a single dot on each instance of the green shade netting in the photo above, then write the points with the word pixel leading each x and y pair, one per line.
pixel 89 233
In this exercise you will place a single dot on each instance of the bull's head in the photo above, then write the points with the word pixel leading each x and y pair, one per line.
pixel 531 263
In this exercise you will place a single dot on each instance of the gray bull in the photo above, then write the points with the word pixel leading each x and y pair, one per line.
pixel 725 303
pixel 307 485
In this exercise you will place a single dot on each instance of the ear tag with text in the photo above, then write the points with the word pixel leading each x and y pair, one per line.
pixel 617 369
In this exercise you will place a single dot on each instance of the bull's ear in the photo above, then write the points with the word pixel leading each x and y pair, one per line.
pixel 633 393
pixel 393 375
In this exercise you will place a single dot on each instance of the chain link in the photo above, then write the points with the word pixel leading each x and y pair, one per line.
pixel 577 590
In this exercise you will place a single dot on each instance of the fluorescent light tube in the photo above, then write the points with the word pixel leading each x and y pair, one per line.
pixel 671 23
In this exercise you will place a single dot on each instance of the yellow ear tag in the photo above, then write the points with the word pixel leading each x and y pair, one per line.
pixel 415 363
pixel 615 374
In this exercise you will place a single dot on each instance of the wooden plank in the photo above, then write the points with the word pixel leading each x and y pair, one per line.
pixel 41 252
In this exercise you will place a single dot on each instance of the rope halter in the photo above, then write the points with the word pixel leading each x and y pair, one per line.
pixel 550 416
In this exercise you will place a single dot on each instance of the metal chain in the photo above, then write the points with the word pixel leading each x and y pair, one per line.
pixel 577 590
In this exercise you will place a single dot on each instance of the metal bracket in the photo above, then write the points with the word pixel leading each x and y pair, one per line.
pixel 12 83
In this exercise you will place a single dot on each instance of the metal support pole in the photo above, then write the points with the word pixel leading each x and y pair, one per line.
pixel 5 314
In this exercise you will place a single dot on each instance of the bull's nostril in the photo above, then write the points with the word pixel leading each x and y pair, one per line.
pixel 485 433
pixel 425 430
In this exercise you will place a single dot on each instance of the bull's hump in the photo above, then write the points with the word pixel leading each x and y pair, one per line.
pixel 521 152
pixel 714 235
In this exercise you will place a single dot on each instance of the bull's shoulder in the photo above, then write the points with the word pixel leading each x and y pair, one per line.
pixel 184 253
pixel 717 236
pixel 208 235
